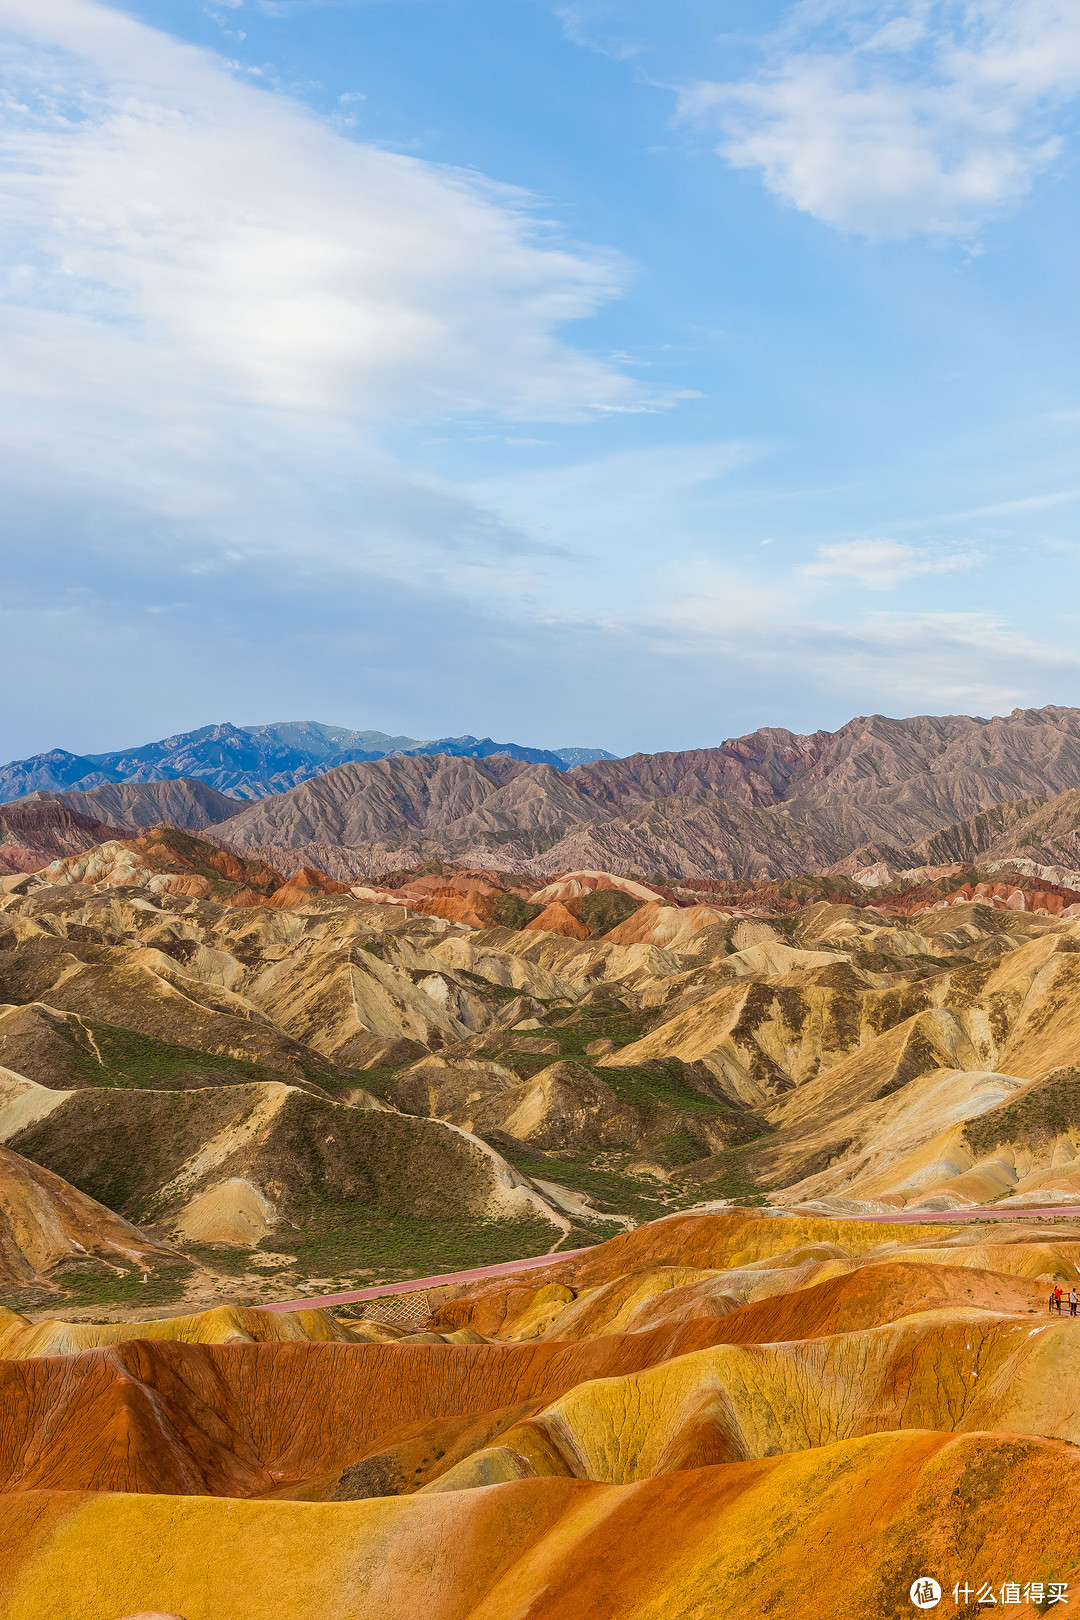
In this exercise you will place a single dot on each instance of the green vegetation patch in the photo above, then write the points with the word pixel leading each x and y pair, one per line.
pixel 163 1287
pixel 221 1257
pixel 336 1239
pixel 123 1147
pixel 728 1174
pixel 610 1020
pixel 511 911
pixel 371 1160
pixel 379 1081
pixel 663 1085
pixel 1048 1109
pixel 604 909
pixel 605 1180
pixel 120 1147
pixel 128 1059
pixel 163 850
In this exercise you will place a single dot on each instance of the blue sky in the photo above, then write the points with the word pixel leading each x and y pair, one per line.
pixel 601 372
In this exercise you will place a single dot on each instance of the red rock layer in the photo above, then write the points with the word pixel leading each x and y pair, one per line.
pixel 242 1419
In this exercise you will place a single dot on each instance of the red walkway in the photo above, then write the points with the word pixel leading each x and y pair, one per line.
pixel 951 1216
pixel 416 1285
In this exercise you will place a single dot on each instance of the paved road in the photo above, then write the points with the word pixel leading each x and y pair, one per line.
pixel 416 1284
pixel 949 1217
pixel 509 1267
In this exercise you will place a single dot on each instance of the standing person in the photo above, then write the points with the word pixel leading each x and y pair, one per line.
pixel 1073 1301
pixel 1055 1299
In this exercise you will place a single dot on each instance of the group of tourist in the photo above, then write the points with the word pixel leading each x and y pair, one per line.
pixel 1056 1297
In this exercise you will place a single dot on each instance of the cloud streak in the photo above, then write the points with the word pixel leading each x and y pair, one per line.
pixel 881 565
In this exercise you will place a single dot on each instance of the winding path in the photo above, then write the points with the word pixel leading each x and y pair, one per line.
pixel 416 1285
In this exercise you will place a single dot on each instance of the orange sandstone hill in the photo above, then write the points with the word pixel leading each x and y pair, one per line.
pixel 828 1412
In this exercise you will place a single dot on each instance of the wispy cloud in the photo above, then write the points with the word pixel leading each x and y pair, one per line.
pixel 155 203
pixel 908 115
pixel 881 565
pixel 211 304
pixel 591 27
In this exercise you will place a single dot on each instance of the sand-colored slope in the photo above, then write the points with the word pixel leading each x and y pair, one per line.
pixel 946 1139
pixel 670 926
pixel 842 1297
pixel 564 1106
pixel 145 991
pixel 226 1324
pixel 815 1297
pixel 716 1242
pixel 556 919
pixel 842 1531
pixel 828 1025
pixel 45 1221
pixel 903 1142
pixel 327 993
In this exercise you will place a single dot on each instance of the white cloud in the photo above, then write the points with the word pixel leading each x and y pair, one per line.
pixel 210 306
pixel 164 221
pixel 880 565
pixel 912 115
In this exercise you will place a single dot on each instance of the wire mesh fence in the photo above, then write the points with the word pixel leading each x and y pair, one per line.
pixel 397 1310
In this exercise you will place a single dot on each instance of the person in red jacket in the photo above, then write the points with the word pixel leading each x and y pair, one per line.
pixel 1055 1299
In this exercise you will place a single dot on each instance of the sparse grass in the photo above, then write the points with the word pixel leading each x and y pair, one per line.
pixel 659 1086
pixel 223 1257
pixel 26 1297
pixel 602 1020
pixel 131 1060
pixel 1047 1110
pixel 121 1155
pixel 378 1081
pixel 679 1148
pixel 337 1239
pixel 164 1287
pixel 725 1175
pixel 604 1180
pixel 496 992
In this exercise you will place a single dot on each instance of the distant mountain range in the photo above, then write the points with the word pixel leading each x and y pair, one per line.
pixel 249 762
pixel 928 789
pixel 772 803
